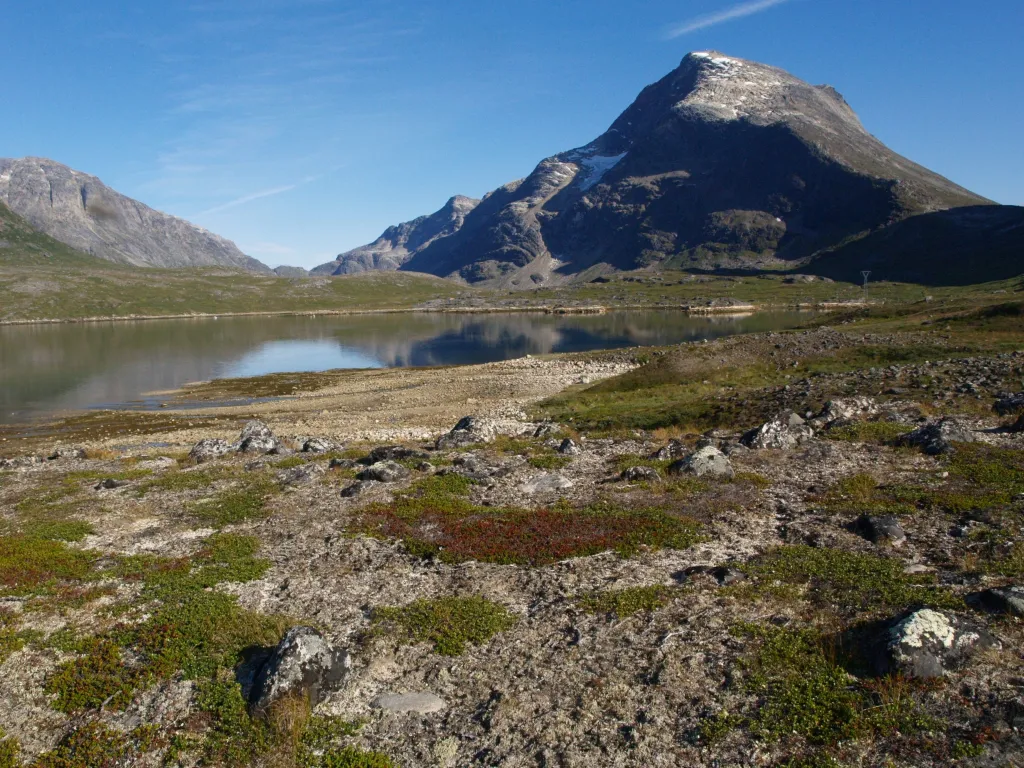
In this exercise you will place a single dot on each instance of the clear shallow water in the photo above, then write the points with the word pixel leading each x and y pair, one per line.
pixel 46 369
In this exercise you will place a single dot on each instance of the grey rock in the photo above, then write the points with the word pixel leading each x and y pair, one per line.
pixel 469 430
pixel 64 453
pixel 343 464
pixel 110 484
pixel 1008 600
pixel 569 447
pixel 546 430
pixel 723 574
pixel 1010 405
pixel 786 430
pixel 640 475
pixel 255 428
pixel 259 445
pixel 549 482
pixel 674 450
pixel 705 462
pixel 882 529
pixel 358 489
pixel 384 472
pixel 478 468
pixel 22 462
pixel 319 445
pixel 1018 426
pixel 303 664
pixel 81 211
pixel 396 453
pixel 938 437
pixel 422 703
pixel 288 271
pixel 927 644
pixel 301 475
pixel 425 466
pixel 848 409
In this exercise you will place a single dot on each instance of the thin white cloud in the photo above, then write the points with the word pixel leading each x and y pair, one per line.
pixel 713 19
pixel 248 199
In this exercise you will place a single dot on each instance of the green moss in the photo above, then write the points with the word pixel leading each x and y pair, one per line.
pixel 449 623
pixel 94 745
pixel 714 730
pixel 549 461
pixel 236 505
pixel 847 581
pixel 58 530
pixel 292 461
pixel 179 481
pixel 32 566
pixel 10 750
pixel 626 602
pixel 803 690
pixel 234 739
pixel 11 641
pixel 881 432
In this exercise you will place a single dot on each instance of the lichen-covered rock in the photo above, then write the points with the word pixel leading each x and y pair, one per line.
pixel 640 475
pixel 343 464
pixel 208 449
pixel 68 452
pixel 786 430
pixel 927 643
pixel 547 429
pixel 548 482
pixel 705 462
pixel 422 703
pixel 358 489
pixel 569 447
pixel 255 428
pixel 1008 600
pixel 938 437
pixel 674 450
pixel 304 665
pixel 470 429
pixel 882 529
pixel 301 475
pixel 848 409
pixel 396 453
pixel 319 445
pixel 1010 405
pixel 384 472
pixel 22 462
pixel 259 445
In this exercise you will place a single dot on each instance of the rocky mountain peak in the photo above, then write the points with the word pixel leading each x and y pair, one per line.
pixel 81 211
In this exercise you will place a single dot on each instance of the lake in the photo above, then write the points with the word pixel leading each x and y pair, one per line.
pixel 48 369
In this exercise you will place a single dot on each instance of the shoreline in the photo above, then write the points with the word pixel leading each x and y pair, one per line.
pixel 543 310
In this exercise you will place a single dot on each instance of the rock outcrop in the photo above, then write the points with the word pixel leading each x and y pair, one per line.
pixel 302 665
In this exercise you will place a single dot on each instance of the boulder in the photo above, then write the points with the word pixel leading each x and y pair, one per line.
pixel 674 450
pixel 422 703
pixel 259 445
pixel 1009 600
pixel 705 462
pixel 303 665
pixel 927 643
pixel 549 482
pixel 343 464
pixel 208 449
pixel 640 475
pixel 547 429
pixel 358 489
pixel 1018 426
pixel 848 409
pixel 1010 405
pixel 384 472
pixel 21 462
pixel 70 452
pixel 937 437
pixel 319 445
pixel 396 453
pixel 110 484
pixel 300 475
pixel 881 529
pixel 786 430
pixel 569 447
pixel 255 428
pixel 476 468
pixel 470 429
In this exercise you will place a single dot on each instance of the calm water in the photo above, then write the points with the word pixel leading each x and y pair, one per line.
pixel 53 368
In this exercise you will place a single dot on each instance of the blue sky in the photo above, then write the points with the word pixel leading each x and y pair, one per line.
pixel 301 128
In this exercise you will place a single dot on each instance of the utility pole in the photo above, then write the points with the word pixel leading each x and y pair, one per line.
pixel 866 274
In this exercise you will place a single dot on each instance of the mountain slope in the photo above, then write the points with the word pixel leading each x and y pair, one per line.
pixel 962 246
pixel 722 163
pixel 401 242
pixel 82 212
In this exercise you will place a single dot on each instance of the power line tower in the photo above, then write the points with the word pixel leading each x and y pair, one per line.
pixel 866 274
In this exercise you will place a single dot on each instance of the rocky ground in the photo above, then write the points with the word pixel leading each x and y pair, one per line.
pixel 824 578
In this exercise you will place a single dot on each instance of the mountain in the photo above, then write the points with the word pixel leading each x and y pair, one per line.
pixel 961 246
pixel 401 242
pixel 81 211
pixel 724 163
pixel 287 271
